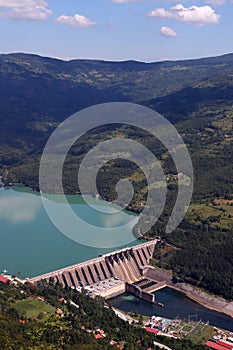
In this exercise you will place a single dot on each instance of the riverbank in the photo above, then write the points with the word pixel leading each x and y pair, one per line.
pixel 194 293
pixel 210 301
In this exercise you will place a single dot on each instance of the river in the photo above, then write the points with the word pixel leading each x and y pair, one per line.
pixel 175 304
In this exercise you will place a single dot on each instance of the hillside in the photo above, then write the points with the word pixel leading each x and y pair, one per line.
pixel 29 319
pixel 37 93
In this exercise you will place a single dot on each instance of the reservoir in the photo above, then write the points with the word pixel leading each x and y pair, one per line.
pixel 31 245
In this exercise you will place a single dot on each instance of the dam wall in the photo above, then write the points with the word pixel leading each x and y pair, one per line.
pixel 128 265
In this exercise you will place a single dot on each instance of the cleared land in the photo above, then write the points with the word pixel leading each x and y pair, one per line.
pixel 219 213
pixel 34 308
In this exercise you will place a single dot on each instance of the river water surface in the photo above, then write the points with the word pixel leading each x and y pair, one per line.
pixel 176 304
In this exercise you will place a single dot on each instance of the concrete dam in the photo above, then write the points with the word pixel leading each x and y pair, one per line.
pixel 107 275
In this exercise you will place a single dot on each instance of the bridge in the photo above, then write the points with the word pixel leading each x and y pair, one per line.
pixel 128 265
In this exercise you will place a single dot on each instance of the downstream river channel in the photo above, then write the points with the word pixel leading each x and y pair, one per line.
pixel 176 304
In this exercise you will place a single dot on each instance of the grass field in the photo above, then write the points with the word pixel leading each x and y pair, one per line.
pixel 32 308
pixel 220 214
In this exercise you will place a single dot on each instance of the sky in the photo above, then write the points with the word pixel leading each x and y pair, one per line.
pixel 143 30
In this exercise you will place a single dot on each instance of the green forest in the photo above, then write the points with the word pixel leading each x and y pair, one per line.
pixel 26 326
pixel 37 93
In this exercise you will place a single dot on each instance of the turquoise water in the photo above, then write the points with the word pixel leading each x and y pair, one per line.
pixel 31 245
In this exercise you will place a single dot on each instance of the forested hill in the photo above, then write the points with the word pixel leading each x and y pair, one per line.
pixel 37 93
pixel 129 80
pixel 34 88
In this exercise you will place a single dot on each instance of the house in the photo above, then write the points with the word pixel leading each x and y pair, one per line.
pixel 22 321
pixel 152 330
pixel 59 312
pixel 4 279
pixel 119 345
pixel 62 300
pixel 97 336
pixel 99 333
pixel 219 345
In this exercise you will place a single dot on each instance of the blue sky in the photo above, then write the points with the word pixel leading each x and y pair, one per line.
pixel 142 30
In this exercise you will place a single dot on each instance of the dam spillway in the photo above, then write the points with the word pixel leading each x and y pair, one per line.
pixel 128 265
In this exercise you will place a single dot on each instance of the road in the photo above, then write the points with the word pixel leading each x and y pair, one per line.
pixel 122 315
pixel 161 346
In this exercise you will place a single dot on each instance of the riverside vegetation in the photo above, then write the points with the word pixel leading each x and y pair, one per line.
pixel 37 93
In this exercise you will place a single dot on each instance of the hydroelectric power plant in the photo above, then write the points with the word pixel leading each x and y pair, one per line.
pixel 111 274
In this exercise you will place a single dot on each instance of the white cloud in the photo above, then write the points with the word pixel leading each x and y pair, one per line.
pixel 196 15
pixel 77 20
pixel 166 31
pixel 24 9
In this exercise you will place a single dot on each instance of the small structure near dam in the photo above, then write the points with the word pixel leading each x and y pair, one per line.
pixel 144 289
pixel 109 275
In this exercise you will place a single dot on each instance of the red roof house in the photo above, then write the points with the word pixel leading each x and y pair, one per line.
pixel 3 279
pixel 213 345
pixel 226 345
pixel 59 312
pixel 152 330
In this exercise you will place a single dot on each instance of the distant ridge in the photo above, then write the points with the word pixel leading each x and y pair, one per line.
pixel 207 58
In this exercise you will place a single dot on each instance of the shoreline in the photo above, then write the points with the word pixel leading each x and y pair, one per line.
pixel 206 303
pixel 198 295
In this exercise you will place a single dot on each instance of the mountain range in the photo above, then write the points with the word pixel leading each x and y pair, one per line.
pixel 37 93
